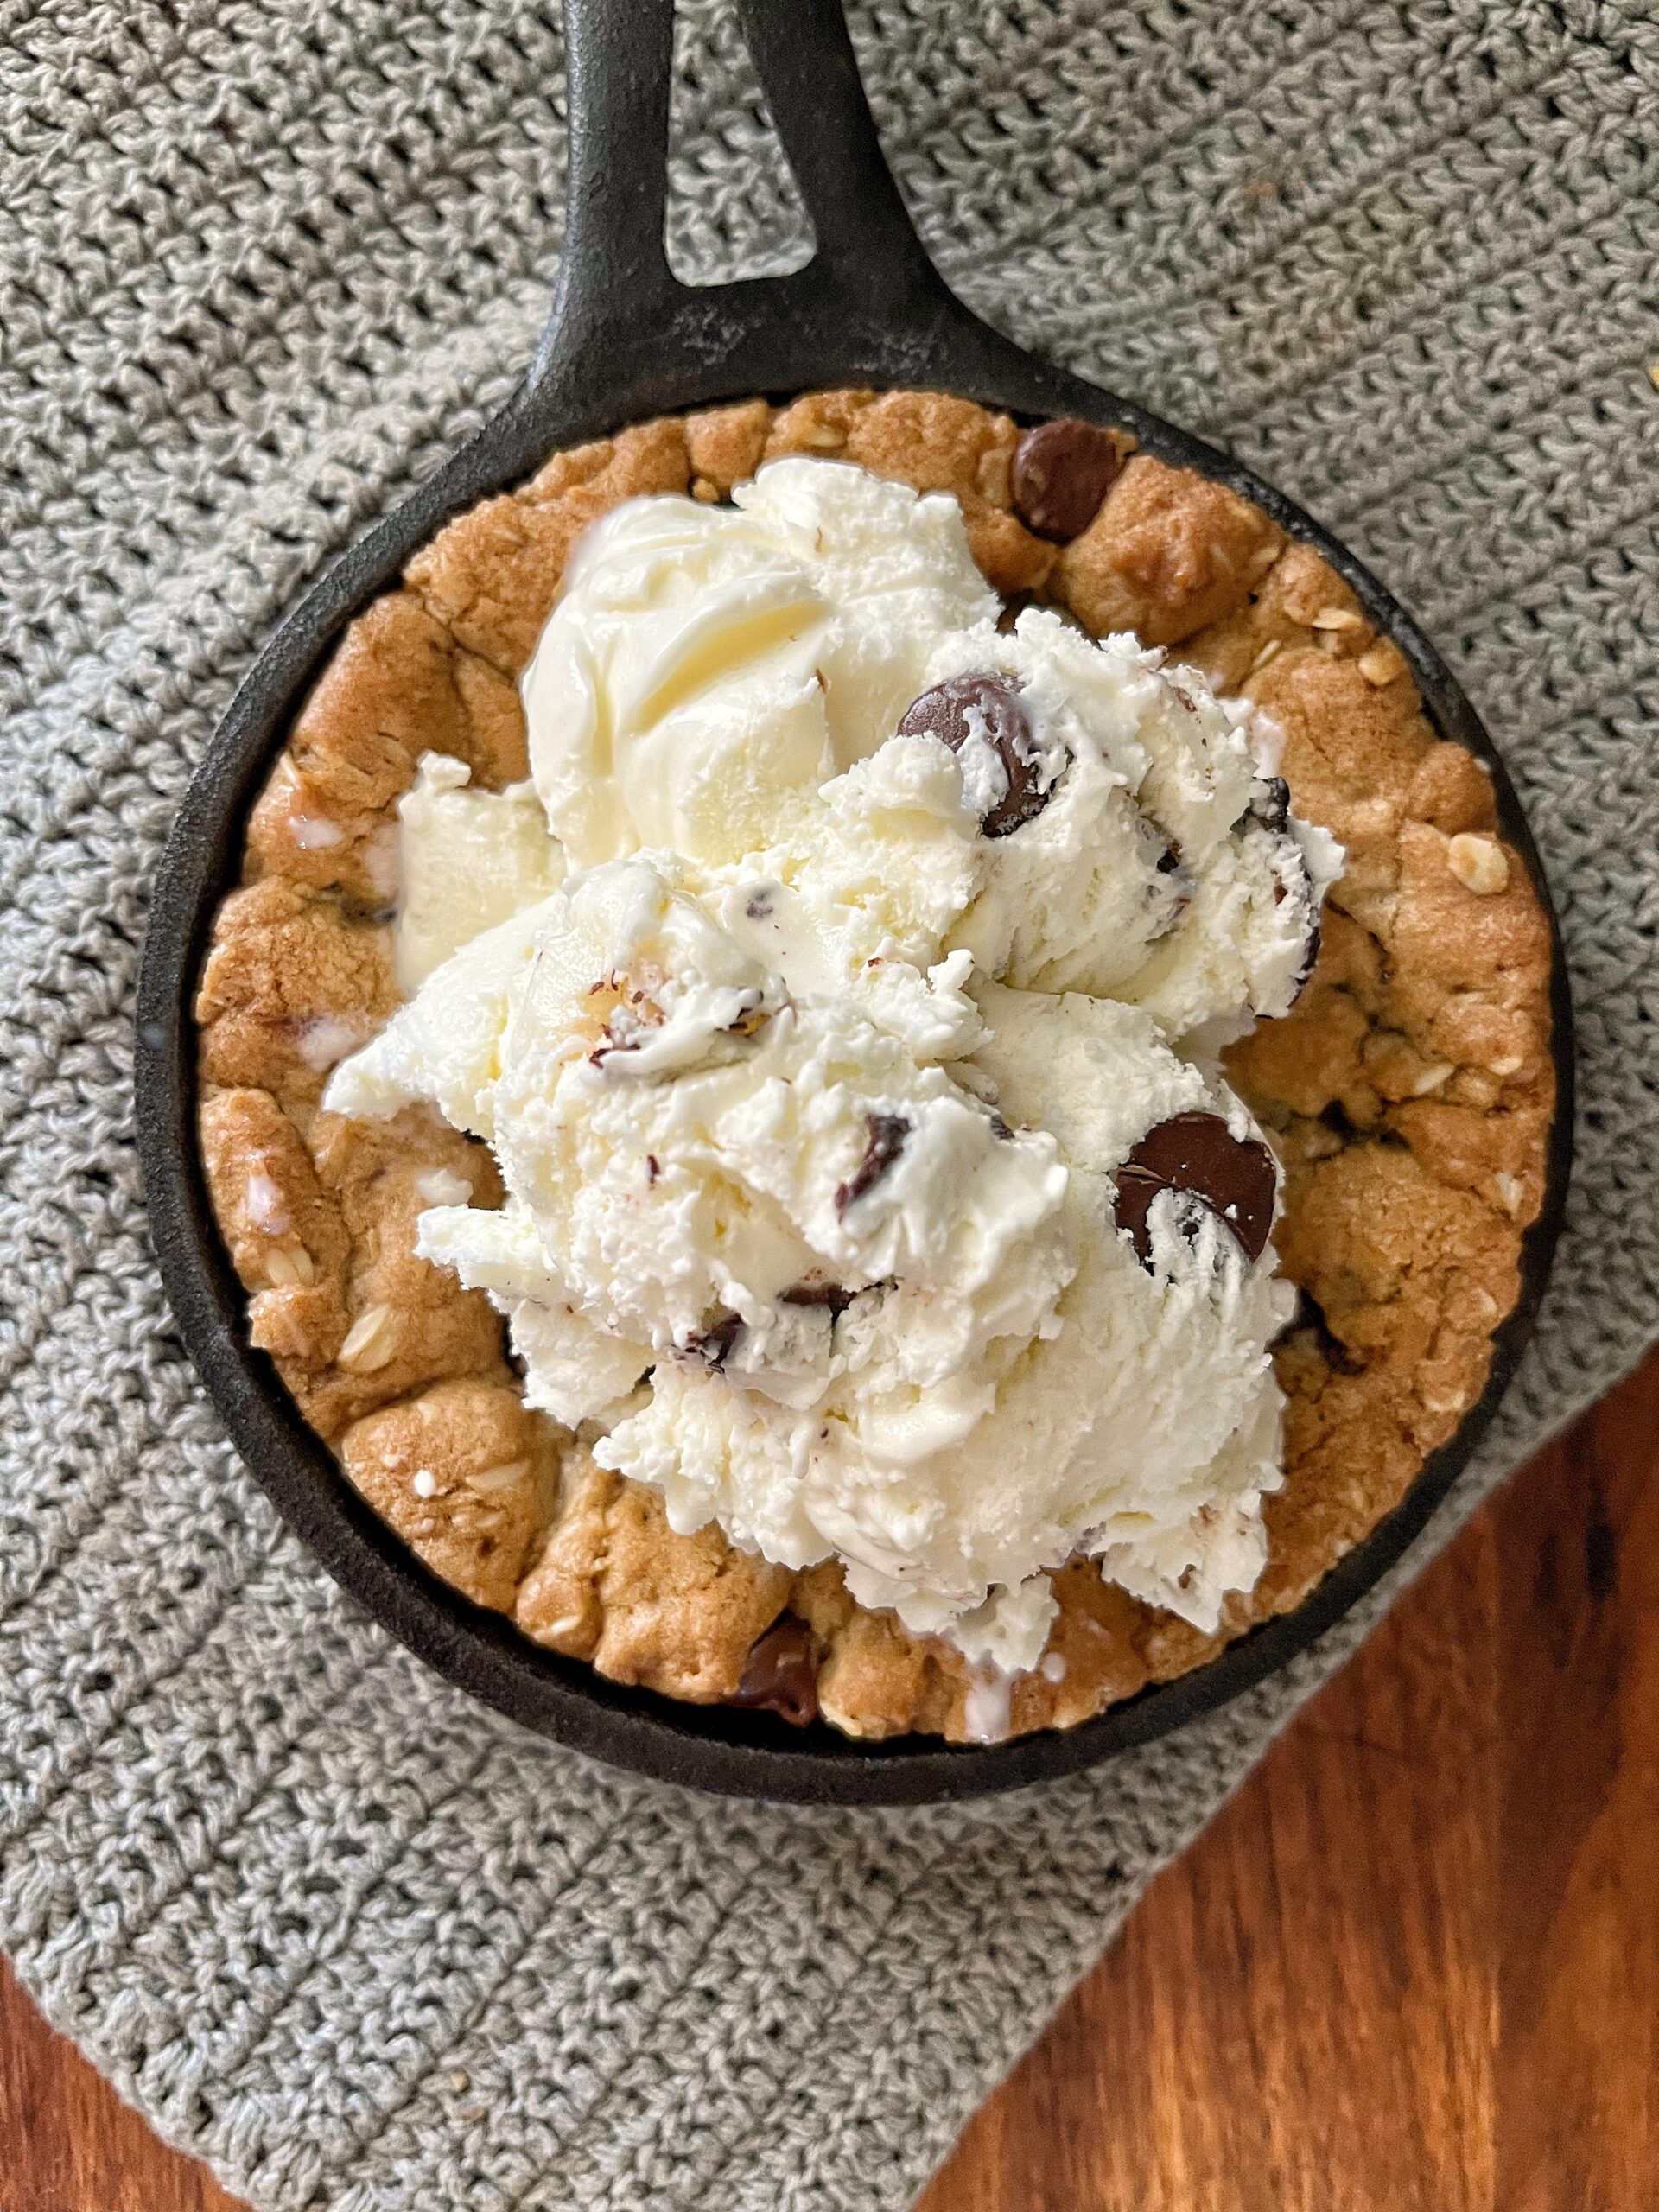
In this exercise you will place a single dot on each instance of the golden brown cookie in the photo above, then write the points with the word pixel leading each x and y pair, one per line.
pixel 1409 1093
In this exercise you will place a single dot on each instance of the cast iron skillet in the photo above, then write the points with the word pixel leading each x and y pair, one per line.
pixel 626 341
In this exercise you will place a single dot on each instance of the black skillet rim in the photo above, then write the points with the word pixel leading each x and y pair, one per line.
pixel 592 376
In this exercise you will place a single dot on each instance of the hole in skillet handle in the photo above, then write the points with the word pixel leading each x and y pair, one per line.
pixel 626 341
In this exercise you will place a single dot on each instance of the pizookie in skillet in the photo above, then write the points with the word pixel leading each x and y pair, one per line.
pixel 869 1005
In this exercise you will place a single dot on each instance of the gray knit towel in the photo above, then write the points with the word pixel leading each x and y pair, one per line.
pixel 356 1944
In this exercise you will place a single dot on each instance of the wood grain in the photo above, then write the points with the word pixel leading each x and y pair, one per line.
pixel 67 2143
pixel 1414 1967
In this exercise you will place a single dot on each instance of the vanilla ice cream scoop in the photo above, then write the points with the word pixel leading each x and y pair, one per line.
pixel 871 1190
pixel 702 662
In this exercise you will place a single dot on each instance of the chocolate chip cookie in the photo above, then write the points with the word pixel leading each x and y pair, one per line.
pixel 1408 1094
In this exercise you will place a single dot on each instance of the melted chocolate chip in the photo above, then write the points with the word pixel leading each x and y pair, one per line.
pixel 1061 472
pixel 951 712
pixel 819 1293
pixel 1199 1154
pixel 780 1673
pixel 888 1133
pixel 713 1343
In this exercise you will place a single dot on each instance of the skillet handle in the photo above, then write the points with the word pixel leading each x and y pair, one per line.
pixel 866 245
pixel 613 272
pixel 618 304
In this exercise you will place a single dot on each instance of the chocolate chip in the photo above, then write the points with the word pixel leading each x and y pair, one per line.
pixel 628 1026
pixel 1310 950
pixel 1310 1316
pixel 989 704
pixel 653 1167
pixel 1062 471
pixel 1313 934
pixel 1269 810
pixel 755 1015
pixel 819 1293
pixel 1199 1154
pixel 1170 899
pixel 713 1343
pixel 780 1673
pixel 1271 805
pixel 888 1133
pixel 1312 916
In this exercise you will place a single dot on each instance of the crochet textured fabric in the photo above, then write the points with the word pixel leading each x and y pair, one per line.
pixel 359 1945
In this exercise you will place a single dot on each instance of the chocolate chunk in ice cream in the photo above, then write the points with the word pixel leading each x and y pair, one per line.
pixel 987 708
pixel 1199 1154
pixel 828 1295
pixel 1271 805
pixel 888 1133
pixel 713 1343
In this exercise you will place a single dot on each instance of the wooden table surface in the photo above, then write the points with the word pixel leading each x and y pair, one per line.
pixel 1414 1967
